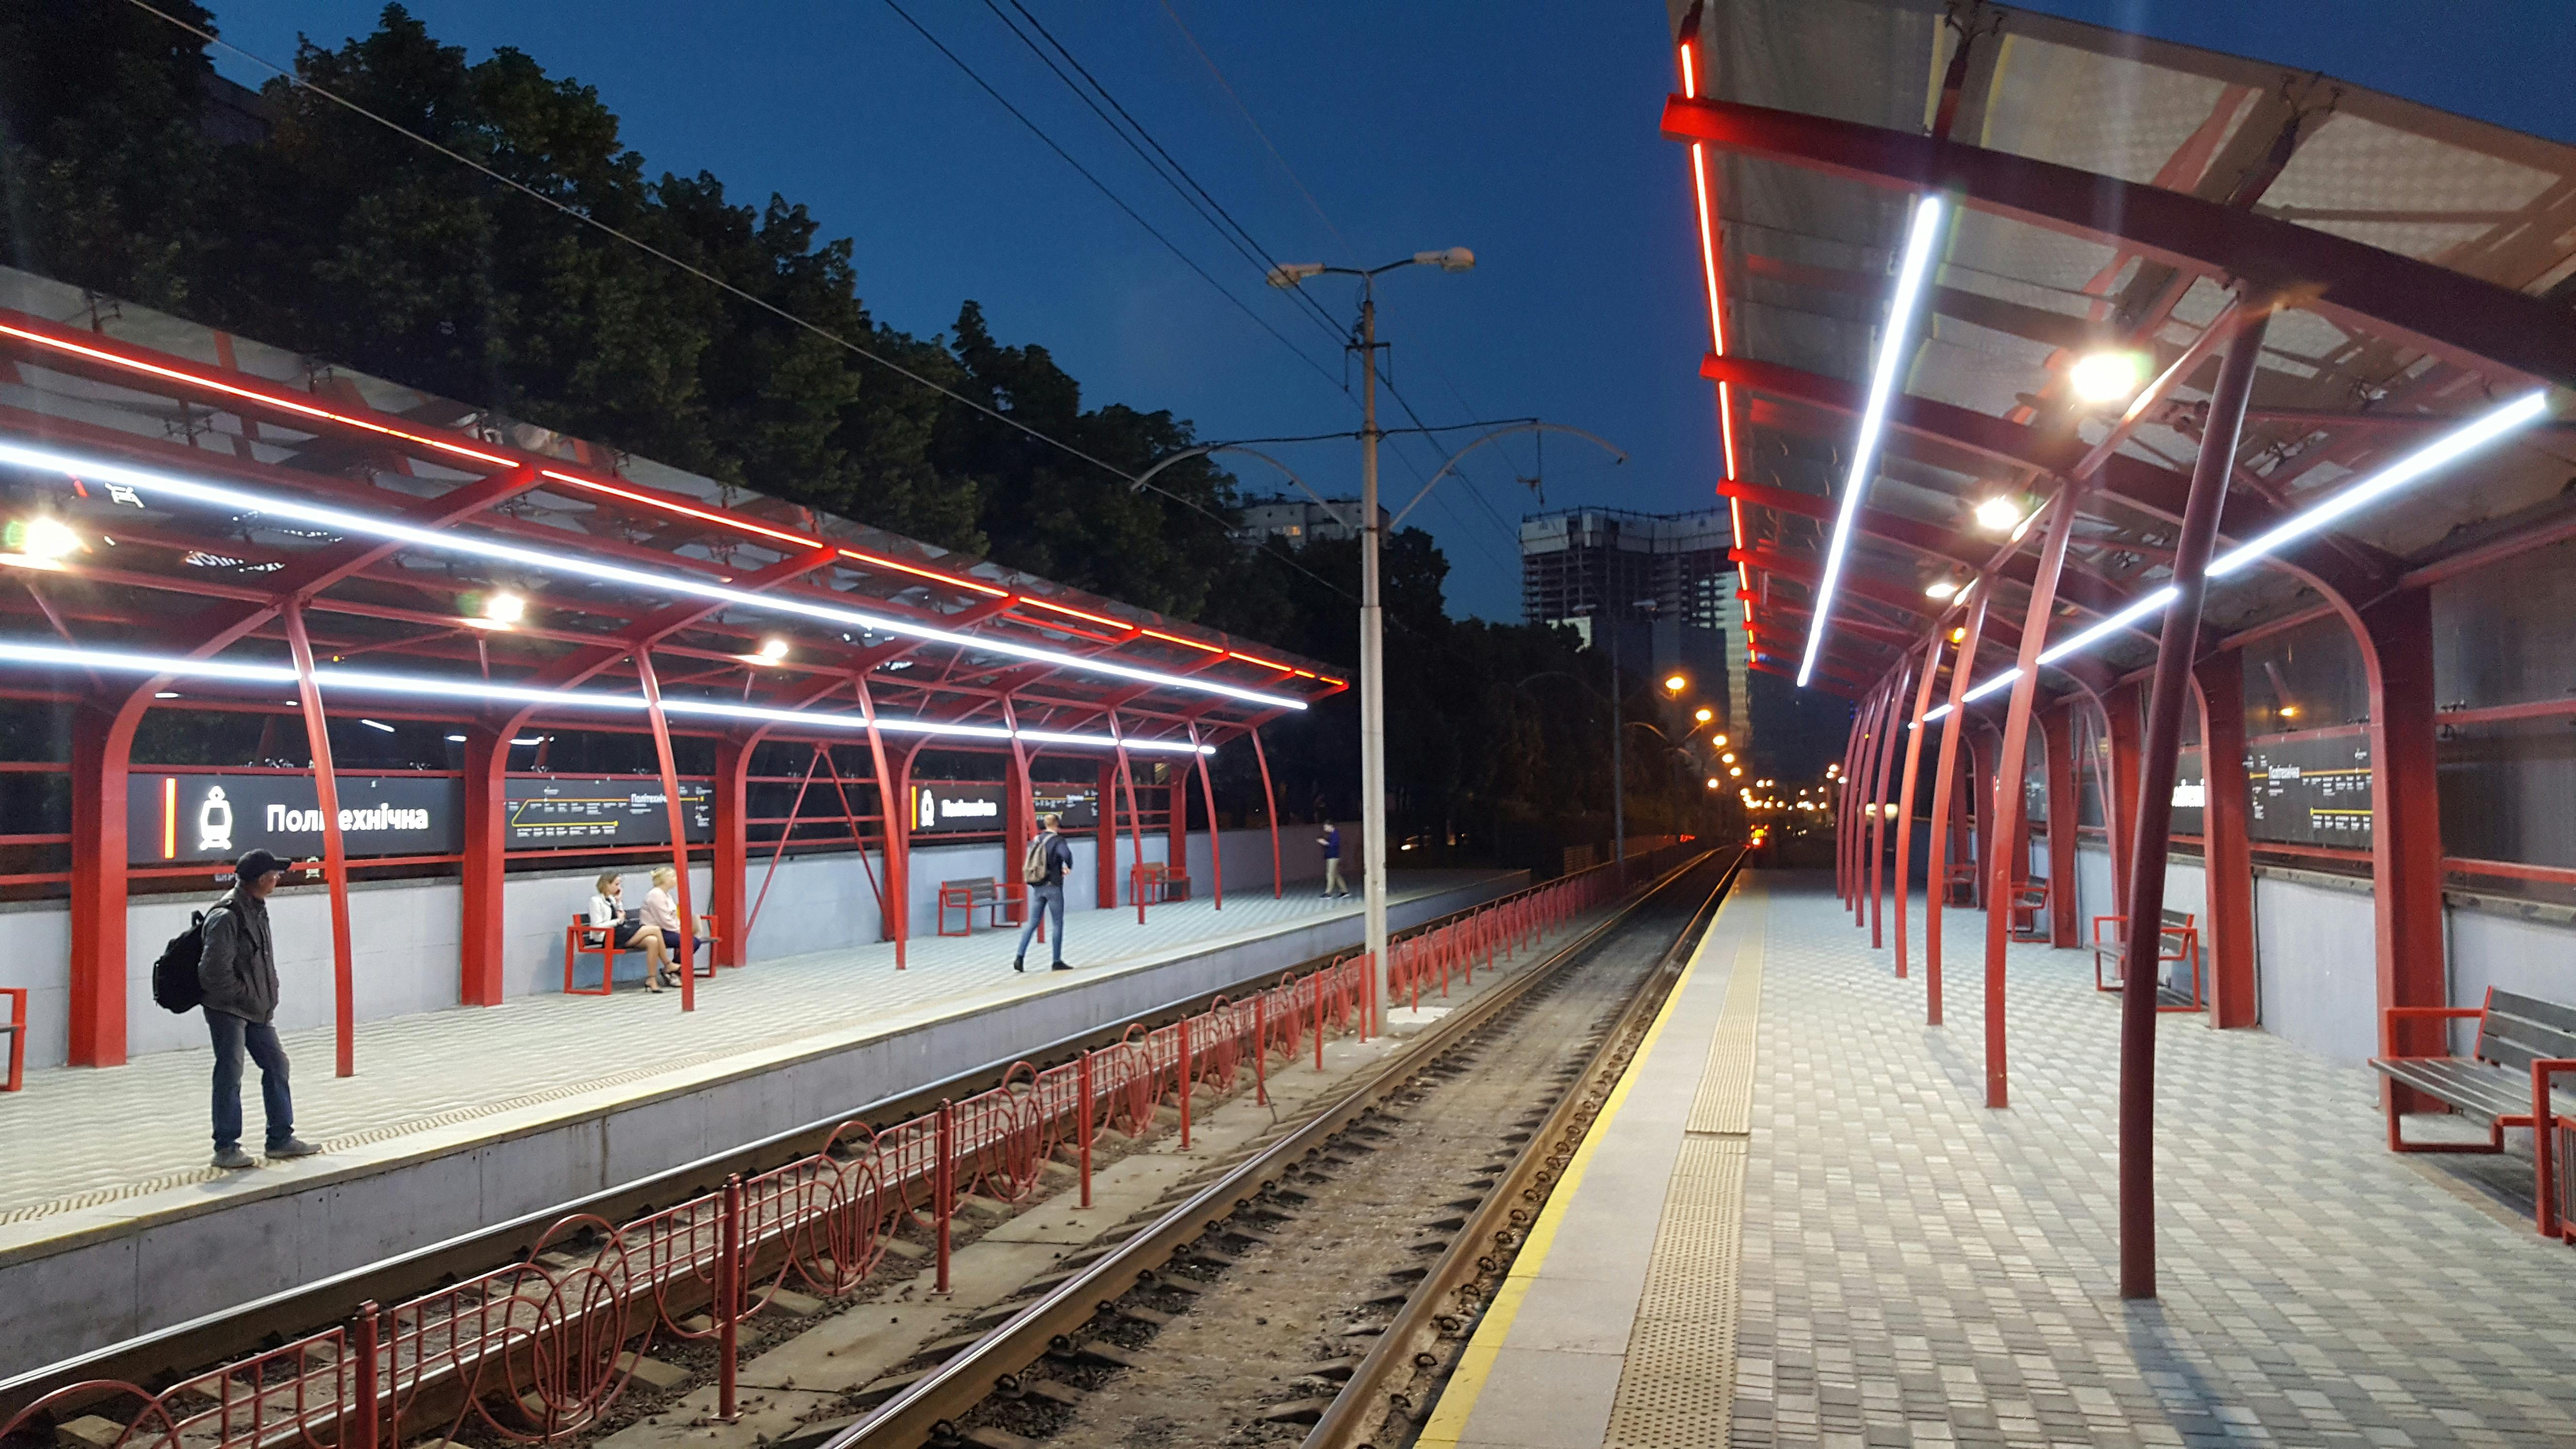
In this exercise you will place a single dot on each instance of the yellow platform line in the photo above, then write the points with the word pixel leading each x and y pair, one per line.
pixel 1476 1364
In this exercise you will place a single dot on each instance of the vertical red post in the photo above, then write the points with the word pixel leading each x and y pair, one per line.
pixel 1983 792
pixel 1186 1080
pixel 335 855
pixel 679 824
pixel 943 1186
pixel 895 813
pixel 2406 825
pixel 1216 836
pixel 1135 821
pixel 1851 819
pixel 1905 805
pixel 2227 858
pixel 483 981
pixel 1261 1049
pixel 1105 841
pixel 366 1387
pixel 729 1296
pixel 1270 805
pixel 2058 738
pixel 730 873
pixel 2120 719
pixel 1882 787
pixel 1945 804
pixel 1019 796
pixel 2002 871
pixel 102 744
pixel 2177 644
pixel 1176 816
pixel 1082 1131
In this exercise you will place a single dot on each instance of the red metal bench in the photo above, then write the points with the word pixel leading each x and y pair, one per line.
pixel 1005 903
pixel 581 938
pixel 17 1029
pixel 2505 1081
pixel 2177 942
pixel 1154 882
pixel 1959 884
pixel 2030 911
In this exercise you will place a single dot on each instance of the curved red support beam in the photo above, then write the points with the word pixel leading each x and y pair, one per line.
pixel 2380 292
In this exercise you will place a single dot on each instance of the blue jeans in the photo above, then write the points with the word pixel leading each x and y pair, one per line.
pixel 233 1038
pixel 1042 899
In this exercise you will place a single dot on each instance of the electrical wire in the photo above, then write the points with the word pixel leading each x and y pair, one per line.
pixel 1246 112
pixel 1103 187
pixel 298 81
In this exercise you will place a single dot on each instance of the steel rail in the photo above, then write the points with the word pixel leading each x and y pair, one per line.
pixel 926 1411
pixel 1496 1228
pixel 171 1354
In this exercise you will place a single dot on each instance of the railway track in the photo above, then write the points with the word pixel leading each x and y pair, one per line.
pixel 1316 1284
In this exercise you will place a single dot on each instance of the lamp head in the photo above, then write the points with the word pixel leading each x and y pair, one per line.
pixel 1455 259
pixel 1289 274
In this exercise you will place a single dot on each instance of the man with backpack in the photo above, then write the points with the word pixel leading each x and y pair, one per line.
pixel 237 979
pixel 1043 872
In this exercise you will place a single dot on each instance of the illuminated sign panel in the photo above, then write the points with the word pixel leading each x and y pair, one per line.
pixel 1078 804
pixel 568 811
pixel 187 819
pixel 948 807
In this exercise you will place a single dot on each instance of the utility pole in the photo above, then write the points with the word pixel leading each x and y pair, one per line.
pixel 1372 666
pixel 1618 763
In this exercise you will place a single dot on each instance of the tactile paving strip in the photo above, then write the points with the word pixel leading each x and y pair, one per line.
pixel 1724 1104
pixel 1677 1390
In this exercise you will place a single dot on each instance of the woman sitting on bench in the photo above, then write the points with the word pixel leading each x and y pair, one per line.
pixel 628 934
pixel 662 911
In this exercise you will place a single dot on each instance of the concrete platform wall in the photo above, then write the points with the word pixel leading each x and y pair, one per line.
pixel 104 1288
pixel 405 934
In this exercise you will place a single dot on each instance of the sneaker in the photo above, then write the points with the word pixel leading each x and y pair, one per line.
pixel 233 1159
pixel 1059 966
pixel 292 1147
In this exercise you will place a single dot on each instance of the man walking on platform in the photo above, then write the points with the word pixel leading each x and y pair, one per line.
pixel 238 974
pixel 1043 873
pixel 1331 840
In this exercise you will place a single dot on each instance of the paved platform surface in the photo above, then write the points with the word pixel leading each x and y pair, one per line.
pixel 81 1138
pixel 1913 1268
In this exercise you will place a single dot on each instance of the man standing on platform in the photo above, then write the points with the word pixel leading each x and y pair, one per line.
pixel 238 974
pixel 1043 873
pixel 1331 840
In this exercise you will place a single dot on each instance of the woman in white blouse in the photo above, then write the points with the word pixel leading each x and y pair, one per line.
pixel 608 910
pixel 662 913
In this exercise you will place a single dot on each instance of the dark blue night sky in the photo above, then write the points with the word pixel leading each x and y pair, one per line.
pixel 1525 131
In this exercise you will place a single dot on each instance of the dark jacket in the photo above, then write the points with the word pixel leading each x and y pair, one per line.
pixel 238 973
pixel 1059 859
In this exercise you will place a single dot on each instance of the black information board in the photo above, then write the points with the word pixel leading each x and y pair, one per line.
pixel 1078 804
pixel 2310 791
pixel 566 811
pixel 188 818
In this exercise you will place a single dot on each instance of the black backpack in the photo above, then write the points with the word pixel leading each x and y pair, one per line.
pixel 174 977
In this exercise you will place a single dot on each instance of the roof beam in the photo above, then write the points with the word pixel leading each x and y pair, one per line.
pixel 2440 310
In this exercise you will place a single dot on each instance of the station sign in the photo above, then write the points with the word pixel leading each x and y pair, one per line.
pixel 2312 791
pixel 1078 804
pixel 572 811
pixel 192 818
pixel 943 807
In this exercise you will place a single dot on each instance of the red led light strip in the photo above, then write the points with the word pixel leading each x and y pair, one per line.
pixel 1716 302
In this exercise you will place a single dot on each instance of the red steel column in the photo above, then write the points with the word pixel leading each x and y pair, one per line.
pixel 1216 837
pixel 1176 811
pixel 1135 821
pixel 1905 806
pixel 2120 708
pixel 1982 750
pixel 102 745
pixel 1843 817
pixel 1105 847
pixel 730 873
pixel 2064 810
pixel 335 854
pixel 2227 926
pixel 679 825
pixel 1881 792
pixel 2406 826
pixel 1856 797
pixel 483 982
pixel 2004 869
pixel 1019 798
pixel 1270 804
pixel 895 814
pixel 1945 803
pixel 2210 475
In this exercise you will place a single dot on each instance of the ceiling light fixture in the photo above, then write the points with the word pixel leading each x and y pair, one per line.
pixel 1998 514
pixel 564 561
pixel 2108 377
pixel 1894 346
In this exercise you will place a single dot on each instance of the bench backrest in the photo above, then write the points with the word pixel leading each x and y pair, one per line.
pixel 2516 1030
pixel 980 886
pixel 2177 920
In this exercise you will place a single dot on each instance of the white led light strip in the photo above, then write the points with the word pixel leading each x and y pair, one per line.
pixel 362 681
pixel 1894 347
pixel 2520 413
pixel 340 521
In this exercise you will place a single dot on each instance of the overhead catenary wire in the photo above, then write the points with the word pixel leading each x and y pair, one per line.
pixel 298 81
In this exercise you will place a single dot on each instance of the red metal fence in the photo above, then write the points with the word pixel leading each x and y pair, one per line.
pixel 538 1350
